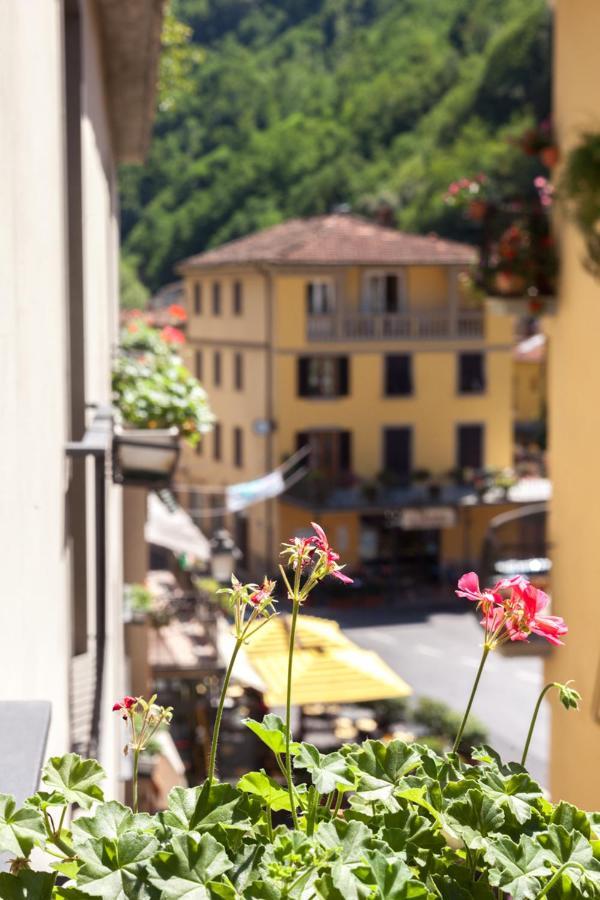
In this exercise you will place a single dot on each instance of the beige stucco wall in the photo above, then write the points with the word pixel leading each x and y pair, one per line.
pixel 35 635
pixel 34 609
pixel 574 385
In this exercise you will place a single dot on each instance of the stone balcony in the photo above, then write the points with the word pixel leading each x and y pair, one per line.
pixel 431 325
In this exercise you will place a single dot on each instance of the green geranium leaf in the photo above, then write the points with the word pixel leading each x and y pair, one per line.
pixel 350 839
pixel 517 868
pixel 568 847
pixel 111 820
pixel 76 779
pixel 382 767
pixel 20 829
pixel 187 870
pixel 393 879
pixel 222 889
pixel 457 884
pixel 406 830
pixel 261 785
pixel 474 817
pixel 200 809
pixel 27 885
pixel 328 772
pixel 272 732
pixel 516 791
pixel 571 818
pixel 115 869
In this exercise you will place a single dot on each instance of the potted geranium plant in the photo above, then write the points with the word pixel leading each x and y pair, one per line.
pixel 159 402
pixel 372 821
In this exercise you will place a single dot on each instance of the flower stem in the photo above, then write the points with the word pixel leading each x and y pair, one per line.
pixel 338 805
pixel 136 763
pixel 288 714
pixel 557 875
pixel 536 711
pixel 484 656
pixel 219 716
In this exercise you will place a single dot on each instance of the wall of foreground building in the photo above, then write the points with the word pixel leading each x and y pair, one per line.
pixel 574 385
pixel 37 595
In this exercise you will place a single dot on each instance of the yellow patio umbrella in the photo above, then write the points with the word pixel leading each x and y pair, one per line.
pixel 311 632
pixel 328 668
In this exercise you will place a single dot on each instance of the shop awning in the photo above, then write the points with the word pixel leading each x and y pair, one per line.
pixel 171 526
pixel 328 668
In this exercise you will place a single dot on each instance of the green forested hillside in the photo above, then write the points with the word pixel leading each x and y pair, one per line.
pixel 294 106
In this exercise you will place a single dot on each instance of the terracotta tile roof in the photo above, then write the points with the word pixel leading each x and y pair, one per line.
pixel 334 240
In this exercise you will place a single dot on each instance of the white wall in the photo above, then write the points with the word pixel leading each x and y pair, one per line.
pixel 35 596
pixel 34 591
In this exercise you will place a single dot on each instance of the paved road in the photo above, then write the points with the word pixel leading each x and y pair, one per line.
pixel 438 656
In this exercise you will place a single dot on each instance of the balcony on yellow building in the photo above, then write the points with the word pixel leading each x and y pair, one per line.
pixel 438 324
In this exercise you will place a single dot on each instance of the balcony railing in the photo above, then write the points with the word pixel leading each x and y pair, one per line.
pixel 423 326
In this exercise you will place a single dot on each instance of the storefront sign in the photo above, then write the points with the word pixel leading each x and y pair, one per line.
pixel 426 518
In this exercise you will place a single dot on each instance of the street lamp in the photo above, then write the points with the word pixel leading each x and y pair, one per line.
pixel 223 554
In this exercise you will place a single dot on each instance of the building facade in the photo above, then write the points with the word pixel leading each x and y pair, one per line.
pixel 355 341
pixel 78 91
pixel 574 381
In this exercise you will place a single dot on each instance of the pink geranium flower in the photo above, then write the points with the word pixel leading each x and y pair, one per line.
pixel 263 593
pixel 468 586
pixel 329 555
pixel 512 610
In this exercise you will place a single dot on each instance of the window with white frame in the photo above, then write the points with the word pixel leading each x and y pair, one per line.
pixel 384 292
pixel 320 297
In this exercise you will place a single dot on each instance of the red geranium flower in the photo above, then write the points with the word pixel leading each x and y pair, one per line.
pixel 172 335
pixel 123 706
pixel 177 312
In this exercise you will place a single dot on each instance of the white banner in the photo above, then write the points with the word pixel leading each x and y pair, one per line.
pixel 238 496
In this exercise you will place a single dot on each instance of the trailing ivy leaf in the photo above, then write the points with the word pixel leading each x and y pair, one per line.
pixel 571 818
pixel 26 885
pixel 272 732
pixel 328 772
pixel 111 820
pixel 261 785
pixel 517 868
pixel 186 872
pixel 393 879
pixel 381 767
pixel 20 829
pixel 115 869
pixel 474 817
pixel 75 779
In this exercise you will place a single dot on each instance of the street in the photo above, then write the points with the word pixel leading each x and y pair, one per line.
pixel 438 656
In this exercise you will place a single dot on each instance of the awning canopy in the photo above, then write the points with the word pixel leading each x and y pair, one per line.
pixel 328 668
pixel 172 527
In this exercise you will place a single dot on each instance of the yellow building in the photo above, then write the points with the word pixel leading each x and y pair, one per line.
pixel 355 340
pixel 574 385
pixel 529 380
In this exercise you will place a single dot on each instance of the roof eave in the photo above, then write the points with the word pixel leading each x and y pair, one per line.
pixel 131 38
